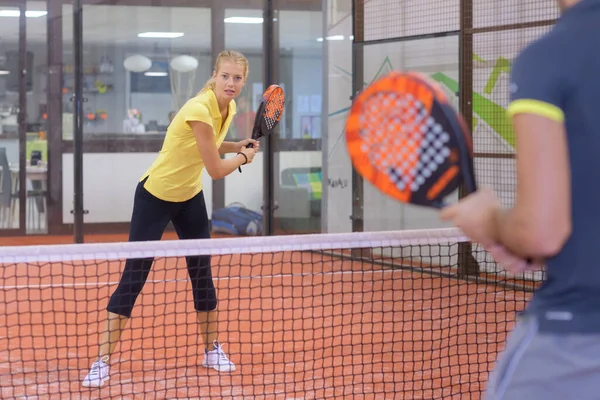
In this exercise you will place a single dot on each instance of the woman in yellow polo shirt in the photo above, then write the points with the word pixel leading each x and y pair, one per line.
pixel 171 190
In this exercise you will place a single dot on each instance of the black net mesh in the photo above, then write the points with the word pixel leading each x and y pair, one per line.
pixel 299 318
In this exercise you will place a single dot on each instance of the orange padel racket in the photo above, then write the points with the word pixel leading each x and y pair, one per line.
pixel 404 137
pixel 268 114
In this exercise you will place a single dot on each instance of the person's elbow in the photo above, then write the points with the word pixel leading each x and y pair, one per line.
pixel 545 235
pixel 215 170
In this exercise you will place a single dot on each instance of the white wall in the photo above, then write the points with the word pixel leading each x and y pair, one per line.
pixel 110 179
pixel 109 182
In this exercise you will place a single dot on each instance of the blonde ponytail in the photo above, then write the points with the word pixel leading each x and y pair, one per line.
pixel 209 85
pixel 226 55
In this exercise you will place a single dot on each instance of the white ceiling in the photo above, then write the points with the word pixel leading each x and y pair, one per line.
pixel 121 25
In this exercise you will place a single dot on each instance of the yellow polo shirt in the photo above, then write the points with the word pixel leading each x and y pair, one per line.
pixel 176 174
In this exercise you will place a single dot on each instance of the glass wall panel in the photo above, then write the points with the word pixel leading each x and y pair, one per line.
pixel 141 63
pixel 438 58
pixel 298 159
pixel 22 116
pixel 244 33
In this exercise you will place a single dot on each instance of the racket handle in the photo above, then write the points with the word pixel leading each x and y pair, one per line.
pixel 249 145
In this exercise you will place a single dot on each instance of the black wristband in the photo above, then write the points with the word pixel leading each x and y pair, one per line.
pixel 246 157
pixel 245 162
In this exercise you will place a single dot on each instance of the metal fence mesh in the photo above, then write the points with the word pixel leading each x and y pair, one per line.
pixel 389 19
pixel 495 13
pixel 502 29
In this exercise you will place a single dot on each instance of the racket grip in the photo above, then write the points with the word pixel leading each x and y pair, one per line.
pixel 249 146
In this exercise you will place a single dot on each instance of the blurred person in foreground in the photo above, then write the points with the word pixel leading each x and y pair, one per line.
pixel 553 353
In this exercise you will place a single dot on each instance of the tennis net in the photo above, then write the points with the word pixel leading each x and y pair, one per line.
pixel 402 315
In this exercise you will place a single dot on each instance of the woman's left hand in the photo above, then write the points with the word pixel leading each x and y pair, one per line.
pixel 243 143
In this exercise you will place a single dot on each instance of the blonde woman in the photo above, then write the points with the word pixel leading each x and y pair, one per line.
pixel 171 190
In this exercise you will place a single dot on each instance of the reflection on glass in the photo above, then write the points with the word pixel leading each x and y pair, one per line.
pixel 140 65
pixel 298 176
pixel 243 32
pixel 9 129
pixel 35 124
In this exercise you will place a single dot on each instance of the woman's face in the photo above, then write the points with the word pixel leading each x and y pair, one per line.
pixel 229 80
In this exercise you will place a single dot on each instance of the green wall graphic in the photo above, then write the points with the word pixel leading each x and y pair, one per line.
pixel 484 109
pixel 493 114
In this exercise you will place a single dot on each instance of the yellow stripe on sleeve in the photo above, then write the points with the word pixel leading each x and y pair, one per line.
pixel 537 107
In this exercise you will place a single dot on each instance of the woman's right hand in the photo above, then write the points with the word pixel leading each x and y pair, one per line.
pixel 249 153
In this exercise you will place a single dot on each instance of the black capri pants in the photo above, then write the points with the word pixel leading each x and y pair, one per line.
pixel 150 217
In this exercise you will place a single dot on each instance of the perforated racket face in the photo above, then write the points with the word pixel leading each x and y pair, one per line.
pixel 274 106
pixel 403 137
pixel 269 112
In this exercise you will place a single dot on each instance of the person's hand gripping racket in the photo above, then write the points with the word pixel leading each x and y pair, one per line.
pixel 269 113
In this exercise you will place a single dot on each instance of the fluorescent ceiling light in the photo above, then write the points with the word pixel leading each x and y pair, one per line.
pixel 148 73
pixel 4 72
pixel 335 37
pixel 17 13
pixel 244 20
pixel 161 35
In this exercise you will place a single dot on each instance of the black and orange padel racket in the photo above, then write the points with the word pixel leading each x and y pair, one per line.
pixel 404 137
pixel 268 114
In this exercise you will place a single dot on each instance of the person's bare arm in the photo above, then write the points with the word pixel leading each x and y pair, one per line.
pixel 540 222
pixel 228 147
pixel 216 167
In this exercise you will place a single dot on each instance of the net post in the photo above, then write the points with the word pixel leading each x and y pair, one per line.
pixel 467 264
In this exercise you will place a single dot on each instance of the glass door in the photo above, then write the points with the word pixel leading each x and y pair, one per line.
pixel 140 61
pixel 23 149
pixel 12 117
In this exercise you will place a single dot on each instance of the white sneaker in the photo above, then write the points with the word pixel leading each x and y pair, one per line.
pixel 98 374
pixel 217 359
